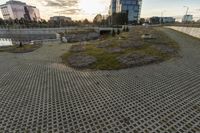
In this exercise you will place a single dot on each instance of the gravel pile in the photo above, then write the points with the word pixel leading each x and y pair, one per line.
pixel 164 49
pixel 136 59
pixel 103 45
pixel 77 48
pixel 81 60
pixel 114 50
pixel 131 44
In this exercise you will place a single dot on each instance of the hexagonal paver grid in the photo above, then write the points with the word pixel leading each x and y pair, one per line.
pixel 39 94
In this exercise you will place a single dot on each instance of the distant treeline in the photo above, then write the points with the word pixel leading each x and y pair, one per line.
pixel 23 23
pixel 99 20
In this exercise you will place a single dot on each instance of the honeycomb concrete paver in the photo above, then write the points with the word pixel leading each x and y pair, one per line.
pixel 39 94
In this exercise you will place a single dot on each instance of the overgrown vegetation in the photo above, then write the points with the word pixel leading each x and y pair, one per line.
pixel 110 50
pixel 20 49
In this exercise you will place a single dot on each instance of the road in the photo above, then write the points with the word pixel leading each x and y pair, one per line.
pixel 39 93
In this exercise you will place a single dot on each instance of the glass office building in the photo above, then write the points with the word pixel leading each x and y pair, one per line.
pixel 132 7
pixel 112 7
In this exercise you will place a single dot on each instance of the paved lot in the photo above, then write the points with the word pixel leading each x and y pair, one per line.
pixel 38 93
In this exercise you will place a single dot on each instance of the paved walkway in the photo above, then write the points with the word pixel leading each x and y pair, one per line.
pixel 38 93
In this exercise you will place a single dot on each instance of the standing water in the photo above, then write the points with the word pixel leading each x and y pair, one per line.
pixel 5 42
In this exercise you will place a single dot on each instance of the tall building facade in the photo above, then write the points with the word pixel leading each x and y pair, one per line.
pixel 132 7
pixel 17 10
pixel 112 8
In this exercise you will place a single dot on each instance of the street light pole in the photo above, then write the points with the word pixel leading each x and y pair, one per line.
pixel 186 17
pixel 199 12
pixel 187 10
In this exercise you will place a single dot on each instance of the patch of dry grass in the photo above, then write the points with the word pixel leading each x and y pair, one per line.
pixel 16 49
pixel 132 42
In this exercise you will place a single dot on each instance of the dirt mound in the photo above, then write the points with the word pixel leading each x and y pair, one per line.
pixel 81 60
pixel 137 59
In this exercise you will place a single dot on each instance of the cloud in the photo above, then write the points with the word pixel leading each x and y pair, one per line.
pixel 65 7
pixel 69 11
pixel 61 3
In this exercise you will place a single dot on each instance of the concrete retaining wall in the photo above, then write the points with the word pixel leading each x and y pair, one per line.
pixel 47 41
pixel 195 32
pixel 34 31
pixel 82 37
pixel 28 36
pixel 50 30
pixel 42 30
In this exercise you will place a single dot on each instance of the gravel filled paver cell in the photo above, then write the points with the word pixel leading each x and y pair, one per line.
pixel 39 93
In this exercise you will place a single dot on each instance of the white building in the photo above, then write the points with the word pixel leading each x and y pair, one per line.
pixel 187 18
pixel 17 10
pixel 168 20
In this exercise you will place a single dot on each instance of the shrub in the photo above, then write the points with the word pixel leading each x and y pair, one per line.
pixel 118 31
pixel 127 29
pixel 20 44
pixel 61 36
pixel 124 29
pixel 113 33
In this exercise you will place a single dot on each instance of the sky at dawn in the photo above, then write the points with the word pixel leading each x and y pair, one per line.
pixel 80 9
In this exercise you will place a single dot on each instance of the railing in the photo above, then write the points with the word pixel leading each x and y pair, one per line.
pixel 5 42
pixel 48 30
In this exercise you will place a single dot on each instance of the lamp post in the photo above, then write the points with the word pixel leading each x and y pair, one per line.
pixel 186 10
pixel 186 17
